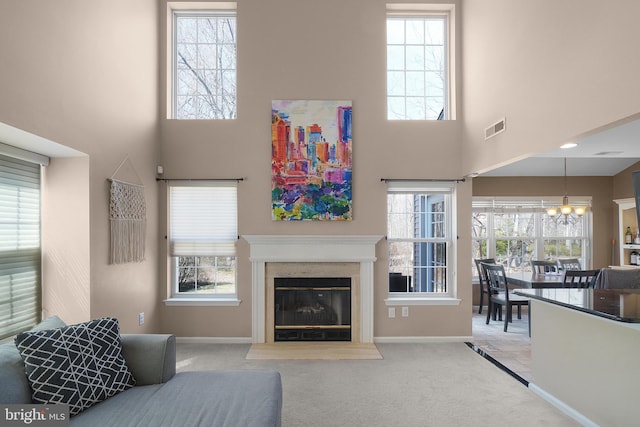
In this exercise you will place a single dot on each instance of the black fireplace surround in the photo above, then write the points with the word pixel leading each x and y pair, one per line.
pixel 312 309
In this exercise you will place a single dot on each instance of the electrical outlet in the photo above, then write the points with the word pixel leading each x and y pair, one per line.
pixel 141 318
pixel 405 311
pixel 392 312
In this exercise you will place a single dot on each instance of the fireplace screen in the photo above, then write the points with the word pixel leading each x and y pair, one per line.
pixel 312 309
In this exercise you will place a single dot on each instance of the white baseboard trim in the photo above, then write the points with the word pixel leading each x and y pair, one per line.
pixel 419 340
pixel 213 340
pixel 562 406
pixel 381 340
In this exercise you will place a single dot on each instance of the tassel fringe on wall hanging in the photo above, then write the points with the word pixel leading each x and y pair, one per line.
pixel 128 220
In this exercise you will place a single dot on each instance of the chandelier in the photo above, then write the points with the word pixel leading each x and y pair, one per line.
pixel 566 212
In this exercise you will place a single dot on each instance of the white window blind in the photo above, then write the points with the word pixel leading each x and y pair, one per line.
pixel 203 220
pixel 20 271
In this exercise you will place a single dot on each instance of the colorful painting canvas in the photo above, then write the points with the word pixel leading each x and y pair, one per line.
pixel 311 160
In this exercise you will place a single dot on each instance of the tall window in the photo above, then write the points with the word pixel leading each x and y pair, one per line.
pixel 418 51
pixel 20 272
pixel 202 243
pixel 419 235
pixel 516 231
pixel 204 64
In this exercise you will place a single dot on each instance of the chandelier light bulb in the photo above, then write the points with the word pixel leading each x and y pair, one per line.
pixel 566 209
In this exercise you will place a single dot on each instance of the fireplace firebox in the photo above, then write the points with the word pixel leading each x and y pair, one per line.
pixel 312 309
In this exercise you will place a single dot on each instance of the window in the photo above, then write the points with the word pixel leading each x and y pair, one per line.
pixel 419 236
pixel 20 270
pixel 418 57
pixel 515 231
pixel 204 63
pixel 202 243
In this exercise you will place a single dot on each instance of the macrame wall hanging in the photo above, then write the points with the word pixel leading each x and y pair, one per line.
pixel 127 217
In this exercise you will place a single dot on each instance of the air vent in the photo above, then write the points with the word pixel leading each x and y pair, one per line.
pixel 495 129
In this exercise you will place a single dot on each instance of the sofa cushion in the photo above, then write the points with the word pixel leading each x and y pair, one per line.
pixel 247 398
pixel 78 365
pixel 14 385
pixel 50 322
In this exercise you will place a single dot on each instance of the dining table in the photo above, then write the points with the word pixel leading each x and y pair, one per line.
pixel 527 279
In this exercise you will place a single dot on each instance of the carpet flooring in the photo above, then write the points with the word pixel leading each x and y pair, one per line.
pixel 444 384
pixel 313 351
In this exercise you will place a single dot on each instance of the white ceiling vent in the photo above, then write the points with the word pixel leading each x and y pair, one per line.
pixel 496 128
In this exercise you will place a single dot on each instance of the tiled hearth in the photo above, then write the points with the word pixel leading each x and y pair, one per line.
pixel 316 256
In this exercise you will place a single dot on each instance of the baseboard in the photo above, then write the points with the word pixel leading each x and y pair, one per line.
pixel 213 340
pixel 420 340
pixel 562 406
pixel 380 340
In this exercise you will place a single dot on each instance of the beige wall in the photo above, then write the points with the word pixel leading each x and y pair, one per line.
pixel 555 69
pixel 84 74
pixel 328 49
pixel 599 188
pixel 66 231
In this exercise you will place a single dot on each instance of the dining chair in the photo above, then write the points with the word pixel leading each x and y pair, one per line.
pixel 541 267
pixel 569 264
pixel 580 278
pixel 499 295
pixel 482 278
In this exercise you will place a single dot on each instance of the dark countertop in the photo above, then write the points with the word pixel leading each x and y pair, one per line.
pixel 622 305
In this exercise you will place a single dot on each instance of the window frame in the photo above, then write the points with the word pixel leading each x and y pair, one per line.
pixel 177 298
pixel 448 189
pixel 23 262
pixel 490 206
pixel 194 9
pixel 426 11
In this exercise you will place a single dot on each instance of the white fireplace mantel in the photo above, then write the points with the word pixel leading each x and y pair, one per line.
pixel 311 248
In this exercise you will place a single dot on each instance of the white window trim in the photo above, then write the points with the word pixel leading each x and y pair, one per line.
pixel 426 9
pixel 203 299
pixel 425 298
pixel 492 205
pixel 420 300
pixel 177 6
pixel 201 302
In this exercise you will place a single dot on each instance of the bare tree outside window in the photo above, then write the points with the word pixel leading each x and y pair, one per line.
pixel 416 68
pixel 205 55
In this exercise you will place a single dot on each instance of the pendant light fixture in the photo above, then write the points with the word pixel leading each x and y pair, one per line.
pixel 566 212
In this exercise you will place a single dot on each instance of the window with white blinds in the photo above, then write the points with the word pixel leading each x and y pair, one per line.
pixel 204 220
pixel 20 259
pixel 203 223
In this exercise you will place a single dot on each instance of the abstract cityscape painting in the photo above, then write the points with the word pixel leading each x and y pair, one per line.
pixel 311 160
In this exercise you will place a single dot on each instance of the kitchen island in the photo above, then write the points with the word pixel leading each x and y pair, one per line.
pixel 585 352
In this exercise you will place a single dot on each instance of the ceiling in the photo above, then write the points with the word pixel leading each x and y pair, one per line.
pixel 603 153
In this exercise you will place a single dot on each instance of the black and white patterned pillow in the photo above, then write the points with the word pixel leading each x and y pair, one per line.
pixel 79 365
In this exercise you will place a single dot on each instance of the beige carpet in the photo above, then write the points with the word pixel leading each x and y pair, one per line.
pixel 313 351
pixel 414 385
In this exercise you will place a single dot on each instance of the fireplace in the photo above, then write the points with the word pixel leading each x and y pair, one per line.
pixel 318 256
pixel 312 309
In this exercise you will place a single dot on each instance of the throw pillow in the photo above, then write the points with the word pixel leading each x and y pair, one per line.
pixel 79 365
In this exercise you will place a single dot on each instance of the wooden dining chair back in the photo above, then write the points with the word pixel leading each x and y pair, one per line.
pixel 499 295
pixel 569 264
pixel 541 267
pixel 482 278
pixel 580 278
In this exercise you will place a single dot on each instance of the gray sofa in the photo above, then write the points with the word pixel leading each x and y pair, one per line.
pixel 162 397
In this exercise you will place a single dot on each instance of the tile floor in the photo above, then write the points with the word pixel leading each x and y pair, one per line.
pixel 512 348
